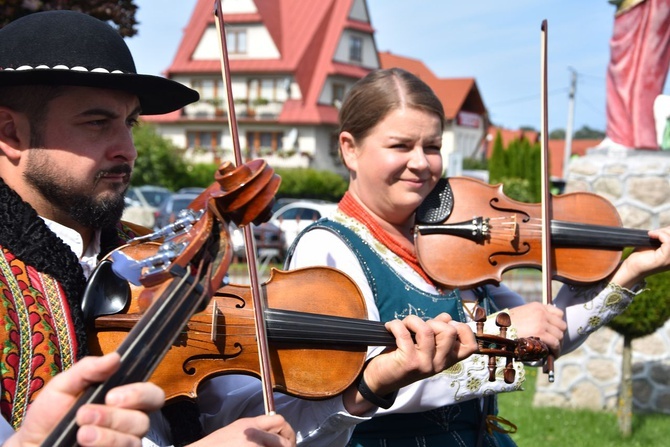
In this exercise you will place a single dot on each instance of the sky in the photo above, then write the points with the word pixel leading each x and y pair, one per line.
pixel 497 43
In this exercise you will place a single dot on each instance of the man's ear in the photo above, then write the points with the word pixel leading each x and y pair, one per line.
pixel 348 150
pixel 14 133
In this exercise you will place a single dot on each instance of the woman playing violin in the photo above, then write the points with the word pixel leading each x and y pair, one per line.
pixel 390 139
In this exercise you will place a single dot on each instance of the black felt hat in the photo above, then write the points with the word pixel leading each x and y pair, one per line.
pixel 71 48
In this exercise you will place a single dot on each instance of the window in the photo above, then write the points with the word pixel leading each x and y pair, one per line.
pixel 338 94
pixel 210 90
pixel 237 41
pixel 262 90
pixel 207 139
pixel 356 49
pixel 264 142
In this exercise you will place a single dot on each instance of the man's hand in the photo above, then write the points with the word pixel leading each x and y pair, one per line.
pixel 120 422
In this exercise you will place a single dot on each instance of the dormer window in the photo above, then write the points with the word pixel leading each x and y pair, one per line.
pixel 338 94
pixel 356 49
pixel 237 41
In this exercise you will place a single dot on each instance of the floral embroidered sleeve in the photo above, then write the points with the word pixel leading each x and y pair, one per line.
pixel 590 308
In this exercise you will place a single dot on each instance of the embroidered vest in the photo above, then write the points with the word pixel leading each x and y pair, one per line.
pixel 443 426
pixel 42 333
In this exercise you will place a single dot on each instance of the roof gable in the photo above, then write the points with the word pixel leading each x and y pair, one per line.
pixel 306 34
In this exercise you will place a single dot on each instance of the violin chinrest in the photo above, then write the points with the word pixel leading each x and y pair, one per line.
pixel 437 206
pixel 106 293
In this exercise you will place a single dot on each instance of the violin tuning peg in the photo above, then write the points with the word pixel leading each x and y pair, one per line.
pixel 503 320
pixel 479 315
pixel 492 368
pixel 509 375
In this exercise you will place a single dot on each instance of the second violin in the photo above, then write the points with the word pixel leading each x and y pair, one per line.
pixel 491 233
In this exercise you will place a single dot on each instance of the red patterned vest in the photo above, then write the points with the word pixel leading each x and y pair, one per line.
pixel 39 327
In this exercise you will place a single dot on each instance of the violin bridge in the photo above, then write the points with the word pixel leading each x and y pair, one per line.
pixel 511 227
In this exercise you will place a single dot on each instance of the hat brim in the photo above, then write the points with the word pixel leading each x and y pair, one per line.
pixel 157 95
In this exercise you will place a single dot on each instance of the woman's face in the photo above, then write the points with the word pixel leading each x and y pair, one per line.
pixel 397 164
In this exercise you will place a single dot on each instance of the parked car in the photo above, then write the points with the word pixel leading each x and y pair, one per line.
pixel 168 211
pixel 191 189
pixel 142 202
pixel 269 239
pixel 295 216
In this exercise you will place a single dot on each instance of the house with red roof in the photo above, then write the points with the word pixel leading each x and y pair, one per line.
pixel 291 64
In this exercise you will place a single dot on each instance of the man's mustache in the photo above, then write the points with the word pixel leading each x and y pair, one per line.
pixel 118 169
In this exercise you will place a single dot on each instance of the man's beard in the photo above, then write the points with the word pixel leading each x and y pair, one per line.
pixel 66 195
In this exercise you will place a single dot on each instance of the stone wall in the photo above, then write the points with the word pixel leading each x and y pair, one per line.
pixel 638 184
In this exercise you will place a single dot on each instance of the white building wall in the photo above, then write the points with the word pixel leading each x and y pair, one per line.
pixel 359 12
pixel 238 6
pixel 259 44
pixel 369 51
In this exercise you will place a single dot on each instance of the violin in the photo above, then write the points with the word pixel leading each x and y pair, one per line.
pixel 484 233
pixel 317 329
pixel 177 281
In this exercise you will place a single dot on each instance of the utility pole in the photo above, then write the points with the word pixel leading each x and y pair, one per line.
pixel 571 119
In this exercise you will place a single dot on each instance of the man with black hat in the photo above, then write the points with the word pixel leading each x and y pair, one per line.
pixel 69 97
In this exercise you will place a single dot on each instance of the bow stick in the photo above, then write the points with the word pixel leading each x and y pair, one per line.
pixel 547 264
pixel 249 242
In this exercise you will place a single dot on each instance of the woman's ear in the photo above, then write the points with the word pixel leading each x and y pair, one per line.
pixel 349 150
pixel 14 133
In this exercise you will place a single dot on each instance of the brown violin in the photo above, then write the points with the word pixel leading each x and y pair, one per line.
pixel 468 233
pixel 317 329
pixel 178 280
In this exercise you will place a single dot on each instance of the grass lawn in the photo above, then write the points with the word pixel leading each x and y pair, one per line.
pixel 557 427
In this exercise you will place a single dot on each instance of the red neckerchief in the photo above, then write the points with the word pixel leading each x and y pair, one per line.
pixel 350 206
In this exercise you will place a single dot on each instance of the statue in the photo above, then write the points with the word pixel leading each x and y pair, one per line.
pixel 637 71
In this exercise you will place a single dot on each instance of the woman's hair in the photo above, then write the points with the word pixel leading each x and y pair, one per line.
pixel 381 92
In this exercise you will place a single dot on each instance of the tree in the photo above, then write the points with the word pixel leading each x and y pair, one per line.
pixel 586 133
pixel 497 162
pixel 305 183
pixel 120 12
pixel 517 167
pixel 647 313
pixel 557 134
pixel 158 162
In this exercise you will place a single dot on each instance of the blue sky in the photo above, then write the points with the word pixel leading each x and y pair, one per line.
pixel 497 43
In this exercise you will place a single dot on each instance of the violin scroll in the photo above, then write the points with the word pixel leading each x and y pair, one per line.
pixel 241 194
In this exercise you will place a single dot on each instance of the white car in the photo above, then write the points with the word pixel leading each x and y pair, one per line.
pixel 142 202
pixel 295 216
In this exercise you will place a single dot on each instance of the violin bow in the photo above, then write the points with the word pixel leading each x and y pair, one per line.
pixel 249 241
pixel 547 262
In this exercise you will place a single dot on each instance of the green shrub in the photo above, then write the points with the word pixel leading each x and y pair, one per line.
pixel 305 183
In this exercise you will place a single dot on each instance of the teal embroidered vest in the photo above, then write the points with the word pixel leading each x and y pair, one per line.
pixel 396 297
